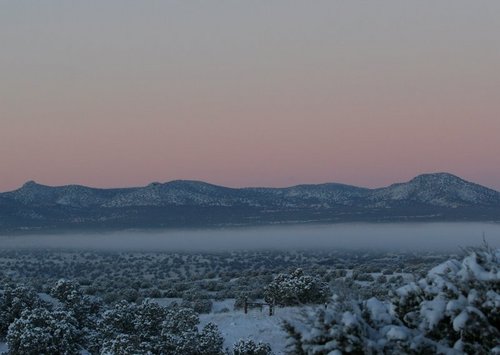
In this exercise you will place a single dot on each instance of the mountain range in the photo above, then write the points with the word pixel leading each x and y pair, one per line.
pixel 181 203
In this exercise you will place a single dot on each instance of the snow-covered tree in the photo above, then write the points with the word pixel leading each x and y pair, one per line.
pixel 249 347
pixel 150 328
pixel 179 331
pixel 454 309
pixel 122 344
pixel 83 308
pixel 210 341
pixel 295 289
pixel 457 303
pixel 40 331
pixel 15 300
pixel 118 320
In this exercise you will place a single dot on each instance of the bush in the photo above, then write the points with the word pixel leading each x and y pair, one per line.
pixel 454 309
pixel 296 289
pixel 249 347
pixel 200 306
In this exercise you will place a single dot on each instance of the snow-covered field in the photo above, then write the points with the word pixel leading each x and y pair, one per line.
pixel 256 325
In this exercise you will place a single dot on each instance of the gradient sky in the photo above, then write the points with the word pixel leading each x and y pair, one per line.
pixel 246 93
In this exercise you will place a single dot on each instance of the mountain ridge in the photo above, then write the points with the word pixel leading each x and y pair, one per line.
pixel 433 196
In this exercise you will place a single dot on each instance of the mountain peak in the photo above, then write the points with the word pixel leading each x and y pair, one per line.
pixel 439 189
pixel 30 184
pixel 437 176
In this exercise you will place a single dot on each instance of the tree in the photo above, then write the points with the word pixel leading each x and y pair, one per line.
pixel 13 302
pixel 40 331
pixel 210 341
pixel 295 289
pixel 249 347
pixel 150 328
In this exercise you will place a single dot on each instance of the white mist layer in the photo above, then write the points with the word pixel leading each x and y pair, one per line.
pixel 422 236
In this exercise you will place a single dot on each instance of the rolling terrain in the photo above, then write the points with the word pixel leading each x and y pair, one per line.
pixel 181 203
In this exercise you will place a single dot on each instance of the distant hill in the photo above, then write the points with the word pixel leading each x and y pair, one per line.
pixel 428 197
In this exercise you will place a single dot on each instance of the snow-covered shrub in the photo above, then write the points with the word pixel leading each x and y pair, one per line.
pixel 362 277
pixel 457 303
pixel 454 309
pixel 296 288
pixel 180 335
pixel 355 328
pixel 13 302
pixel 325 331
pixel 122 344
pixel 66 291
pixel 40 331
pixel 210 341
pixel 85 309
pixel 249 347
pixel 149 327
pixel 200 306
pixel 130 295
pixel 180 320
pixel 118 320
pixel 153 293
pixel 179 331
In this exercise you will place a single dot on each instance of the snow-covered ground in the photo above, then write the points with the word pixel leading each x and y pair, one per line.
pixel 235 324
pixel 3 348
pixel 256 325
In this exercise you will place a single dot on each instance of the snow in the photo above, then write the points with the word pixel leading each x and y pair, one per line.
pixel 255 325
pixel 406 290
pixel 471 266
pixel 446 267
pixel 454 306
pixel 380 312
pixel 492 299
pixel 349 319
pixel 397 333
pixel 432 312
pixel 496 350
pixel 460 321
pixel 3 348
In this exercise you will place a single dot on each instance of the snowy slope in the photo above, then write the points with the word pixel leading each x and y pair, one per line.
pixel 442 189
pixel 194 203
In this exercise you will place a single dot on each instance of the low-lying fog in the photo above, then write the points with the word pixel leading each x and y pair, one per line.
pixel 421 236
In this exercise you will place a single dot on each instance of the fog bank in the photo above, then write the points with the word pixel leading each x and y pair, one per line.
pixel 421 236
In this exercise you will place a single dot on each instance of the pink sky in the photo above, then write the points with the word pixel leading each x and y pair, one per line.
pixel 248 94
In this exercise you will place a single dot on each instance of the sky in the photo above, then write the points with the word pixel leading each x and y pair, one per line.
pixel 248 93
